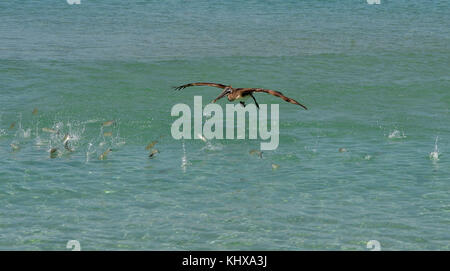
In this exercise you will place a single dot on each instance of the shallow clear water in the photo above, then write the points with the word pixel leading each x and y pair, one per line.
pixel 375 77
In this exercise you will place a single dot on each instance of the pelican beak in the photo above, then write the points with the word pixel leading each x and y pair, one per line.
pixel 225 92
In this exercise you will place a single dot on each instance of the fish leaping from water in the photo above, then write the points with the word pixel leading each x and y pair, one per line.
pixel 236 94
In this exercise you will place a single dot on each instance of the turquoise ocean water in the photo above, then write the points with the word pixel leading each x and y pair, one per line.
pixel 376 79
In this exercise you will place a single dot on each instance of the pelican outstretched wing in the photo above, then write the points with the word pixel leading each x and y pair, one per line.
pixel 200 84
pixel 274 93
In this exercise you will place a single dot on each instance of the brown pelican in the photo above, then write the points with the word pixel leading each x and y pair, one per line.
pixel 241 93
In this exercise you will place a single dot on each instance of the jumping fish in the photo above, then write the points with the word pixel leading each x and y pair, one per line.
pixel 48 130
pixel 105 154
pixel 53 152
pixel 66 142
pixel 153 153
pixel 259 153
pixel 15 147
pixel 275 166
pixel 66 146
pixel 66 138
pixel 149 146
pixel 35 111
pixel 202 138
pixel 108 123
pixel 12 126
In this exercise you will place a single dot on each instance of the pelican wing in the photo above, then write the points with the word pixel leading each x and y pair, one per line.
pixel 200 84
pixel 274 93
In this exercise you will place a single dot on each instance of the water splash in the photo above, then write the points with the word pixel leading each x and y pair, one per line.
pixel 15 146
pixel 434 155
pixel 184 161
pixel 209 146
pixel 90 150
pixel 396 134
pixel 72 129
pixel 26 133
pixel 20 132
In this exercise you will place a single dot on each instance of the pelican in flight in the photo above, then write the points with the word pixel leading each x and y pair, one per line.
pixel 241 93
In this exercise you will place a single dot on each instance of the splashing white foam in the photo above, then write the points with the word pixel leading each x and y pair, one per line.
pixel 26 133
pixel 397 134
pixel 209 146
pixel 40 142
pixel 434 155
pixel 89 151
pixel 184 161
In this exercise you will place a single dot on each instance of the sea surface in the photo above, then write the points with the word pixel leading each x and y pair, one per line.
pixel 369 160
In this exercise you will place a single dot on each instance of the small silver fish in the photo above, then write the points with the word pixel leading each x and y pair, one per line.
pixel 149 146
pixel 48 130
pixel 108 123
pixel 66 138
pixel 342 150
pixel 66 146
pixel 275 166
pixel 15 147
pixel 202 138
pixel 153 153
pixel 259 153
pixel 105 154
pixel 66 141
pixel 53 152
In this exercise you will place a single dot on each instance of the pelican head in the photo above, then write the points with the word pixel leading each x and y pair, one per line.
pixel 228 90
